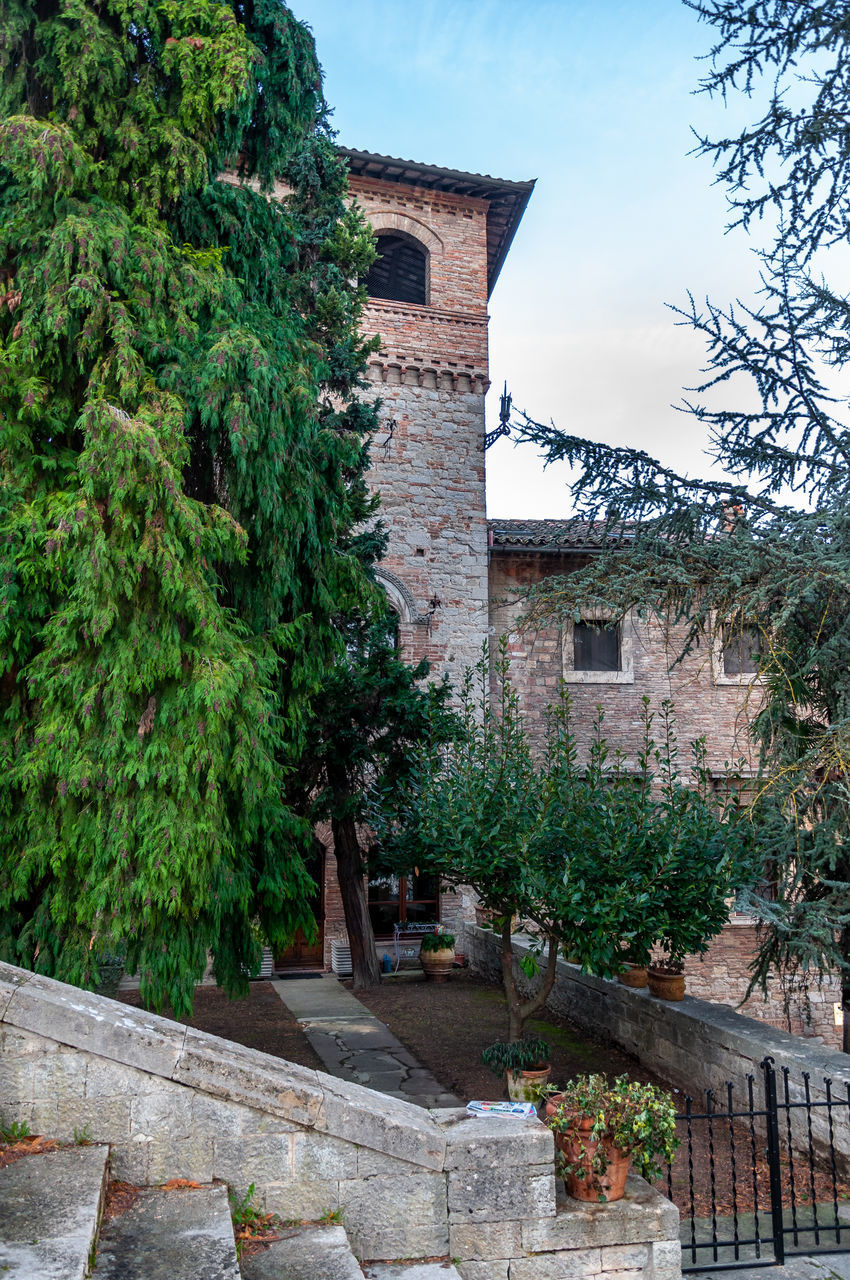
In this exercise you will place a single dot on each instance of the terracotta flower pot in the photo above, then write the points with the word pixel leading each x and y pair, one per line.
pixel 579 1149
pixel 525 1086
pixel 665 984
pixel 635 975
pixel 437 964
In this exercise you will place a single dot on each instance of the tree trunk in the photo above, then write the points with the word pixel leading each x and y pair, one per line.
pixel 520 1010
pixel 844 943
pixel 349 869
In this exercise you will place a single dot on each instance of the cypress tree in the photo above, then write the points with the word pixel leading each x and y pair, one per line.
pixel 771 549
pixel 181 476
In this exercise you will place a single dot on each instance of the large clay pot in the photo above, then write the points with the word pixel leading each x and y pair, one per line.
pixel 437 964
pixel 634 975
pixel 666 985
pixel 579 1148
pixel 525 1086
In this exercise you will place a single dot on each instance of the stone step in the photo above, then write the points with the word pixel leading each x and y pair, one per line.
pixel 49 1209
pixel 305 1253
pixel 183 1234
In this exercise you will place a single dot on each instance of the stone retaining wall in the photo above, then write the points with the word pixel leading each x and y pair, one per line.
pixel 693 1044
pixel 177 1103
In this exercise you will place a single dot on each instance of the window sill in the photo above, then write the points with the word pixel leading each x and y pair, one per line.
pixel 599 677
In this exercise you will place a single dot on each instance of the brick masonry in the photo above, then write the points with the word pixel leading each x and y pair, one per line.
pixel 431 374
pixel 172 1102
pixel 705 707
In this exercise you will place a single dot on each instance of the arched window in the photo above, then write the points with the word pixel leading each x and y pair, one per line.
pixel 400 271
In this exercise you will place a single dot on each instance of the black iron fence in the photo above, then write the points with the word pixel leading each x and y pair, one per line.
pixel 759 1178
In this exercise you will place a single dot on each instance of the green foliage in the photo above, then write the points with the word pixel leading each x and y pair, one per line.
pixel 243 1212
pixel 588 857
pixel 437 942
pixel 14 1131
pixel 638 1119
pixel 179 493
pixel 773 548
pixel 529 1054
pixel 373 716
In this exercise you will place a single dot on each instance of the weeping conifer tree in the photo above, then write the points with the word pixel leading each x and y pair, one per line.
pixel 771 550
pixel 181 472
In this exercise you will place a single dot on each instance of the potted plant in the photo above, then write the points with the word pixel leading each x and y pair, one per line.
pixel 634 959
pixel 601 1128
pixel 666 978
pixel 437 955
pixel 523 1063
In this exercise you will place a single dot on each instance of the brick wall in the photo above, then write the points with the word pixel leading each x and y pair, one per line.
pixel 703 707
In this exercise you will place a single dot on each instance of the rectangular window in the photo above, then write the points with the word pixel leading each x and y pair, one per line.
pixel 741 649
pixel 596 646
pixel 411 899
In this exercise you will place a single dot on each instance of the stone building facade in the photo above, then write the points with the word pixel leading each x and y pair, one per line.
pixel 442 236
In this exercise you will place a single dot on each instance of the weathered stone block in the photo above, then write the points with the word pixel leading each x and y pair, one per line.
pixel 249 1077
pixel 102 1120
pixel 371 1163
pixel 396 1217
pixel 483 1270
pixel 580 1264
pixel 165 1112
pixel 22 1044
pixel 261 1159
pixel 129 1162
pixel 97 1025
pixel 16 1079
pixel 642 1215
pixel 60 1075
pixel 477 1142
pixel 625 1257
pixel 316 1156
pixel 180 1158
pixel 485 1240
pixel 493 1195
pixel 295 1199
pixel 11 978
pixel 222 1119
pixel 665 1261
pixel 105 1079
pixel 390 1125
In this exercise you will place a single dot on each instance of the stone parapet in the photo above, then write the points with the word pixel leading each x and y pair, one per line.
pixel 693 1044
pixel 173 1102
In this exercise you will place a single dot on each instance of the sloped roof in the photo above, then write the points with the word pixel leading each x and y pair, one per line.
pixel 553 535
pixel 507 200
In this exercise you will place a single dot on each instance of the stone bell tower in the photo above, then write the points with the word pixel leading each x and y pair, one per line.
pixel 442 238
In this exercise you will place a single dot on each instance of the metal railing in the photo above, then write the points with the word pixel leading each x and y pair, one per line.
pixel 759 1180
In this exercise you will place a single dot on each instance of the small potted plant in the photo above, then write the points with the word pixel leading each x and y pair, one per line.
pixel 634 958
pixel 437 955
pixel 601 1128
pixel 524 1064
pixel 666 977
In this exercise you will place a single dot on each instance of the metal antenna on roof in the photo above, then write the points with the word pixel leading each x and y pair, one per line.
pixel 504 427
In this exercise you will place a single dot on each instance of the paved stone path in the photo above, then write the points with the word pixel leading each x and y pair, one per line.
pixel 355 1045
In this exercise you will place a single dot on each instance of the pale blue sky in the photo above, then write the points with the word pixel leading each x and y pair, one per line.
pixel 595 102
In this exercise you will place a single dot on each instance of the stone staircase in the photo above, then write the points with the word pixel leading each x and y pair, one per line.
pixel 51 1228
